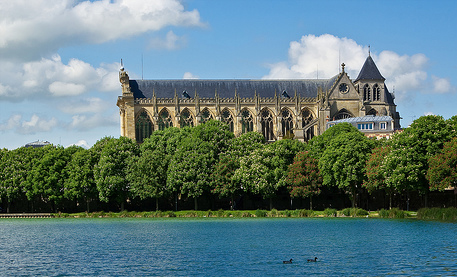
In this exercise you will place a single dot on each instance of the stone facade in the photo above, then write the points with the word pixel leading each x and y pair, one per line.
pixel 275 108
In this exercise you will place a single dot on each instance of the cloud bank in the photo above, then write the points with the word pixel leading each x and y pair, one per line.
pixel 315 57
pixel 32 29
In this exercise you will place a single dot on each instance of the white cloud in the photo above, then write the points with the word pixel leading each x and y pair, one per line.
pixel 171 42
pixel 189 75
pixel 84 122
pixel 319 56
pixel 87 105
pixel 81 143
pixel 37 124
pixel 66 89
pixel 51 77
pixel 34 125
pixel 32 29
pixel 441 85
pixel 13 122
pixel 429 113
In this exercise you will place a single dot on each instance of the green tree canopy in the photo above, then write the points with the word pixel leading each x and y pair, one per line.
pixel 405 167
pixel 343 162
pixel 222 177
pixel 303 177
pixel 442 171
pixel 111 171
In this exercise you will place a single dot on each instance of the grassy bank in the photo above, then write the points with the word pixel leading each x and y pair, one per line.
pixel 349 212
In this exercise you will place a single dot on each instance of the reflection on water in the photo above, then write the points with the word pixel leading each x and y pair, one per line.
pixel 226 247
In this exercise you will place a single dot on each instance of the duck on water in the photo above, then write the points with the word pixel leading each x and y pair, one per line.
pixel 313 260
pixel 287 262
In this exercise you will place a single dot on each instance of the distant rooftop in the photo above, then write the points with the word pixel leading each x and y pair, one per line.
pixel 367 118
pixel 37 144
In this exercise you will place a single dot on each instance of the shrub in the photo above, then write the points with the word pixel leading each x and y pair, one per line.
pixel 272 213
pixel 354 212
pixel 330 212
pixel 305 213
pixel 446 214
pixel 260 213
pixel 346 212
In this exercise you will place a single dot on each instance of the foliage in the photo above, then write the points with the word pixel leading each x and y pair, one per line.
pixel 343 162
pixel 392 213
pixel 330 212
pixel 223 182
pixel 49 174
pixel 112 169
pixel 405 167
pixel 318 144
pixel 445 214
pixel 303 176
pixel 354 212
pixel 442 171
pixel 193 162
pixel 80 183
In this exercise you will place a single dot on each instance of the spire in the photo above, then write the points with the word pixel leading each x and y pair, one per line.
pixel 369 71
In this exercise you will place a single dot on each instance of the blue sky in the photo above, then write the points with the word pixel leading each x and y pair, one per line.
pixel 60 58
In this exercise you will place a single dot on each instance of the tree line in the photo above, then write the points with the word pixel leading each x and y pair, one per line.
pixel 207 159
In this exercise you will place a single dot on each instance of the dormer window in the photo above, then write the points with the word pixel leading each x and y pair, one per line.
pixel 383 125
pixel 365 126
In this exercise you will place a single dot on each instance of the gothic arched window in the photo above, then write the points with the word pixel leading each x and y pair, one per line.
pixel 376 93
pixel 287 123
pixel 165 120
pixel 247 121
pixel 227 118
pixel 342 114
pixel 366 93
pixel 143 127
pixel 372 112
pixel 267 125
pixel 307 117
pixel 205 115
pixel 186 119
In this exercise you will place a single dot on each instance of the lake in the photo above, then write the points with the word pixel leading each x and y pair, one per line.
pixel 227 247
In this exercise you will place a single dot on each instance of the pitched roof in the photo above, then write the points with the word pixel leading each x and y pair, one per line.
pixel 369 71
pixel 225 88
pixel 367 118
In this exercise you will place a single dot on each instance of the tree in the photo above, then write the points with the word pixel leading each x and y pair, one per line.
pixel 264 171
pixel 303 177
pixel 406 166
pixel 193 162
pixel 343 162
pixel 375 178
pixel 111 170
pixel 48 175
pixel 223 182
pixel 148 171
pixel 442 171
pixel 80 184
pixel 318 144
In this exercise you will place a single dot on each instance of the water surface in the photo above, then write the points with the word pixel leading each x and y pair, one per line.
pixel 227 247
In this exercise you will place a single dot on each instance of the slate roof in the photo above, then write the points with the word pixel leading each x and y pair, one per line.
pixel 226 88
pixel 367 118
pixel 369 71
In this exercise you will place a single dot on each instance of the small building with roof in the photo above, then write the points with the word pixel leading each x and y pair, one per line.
pixel 275 108
pixel 371 125
pixel 37 144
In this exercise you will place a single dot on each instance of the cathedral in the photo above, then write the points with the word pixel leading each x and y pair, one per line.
pixel 277 109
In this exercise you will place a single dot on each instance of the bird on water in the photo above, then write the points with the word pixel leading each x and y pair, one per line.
pixel 313 260
pixel 287 262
